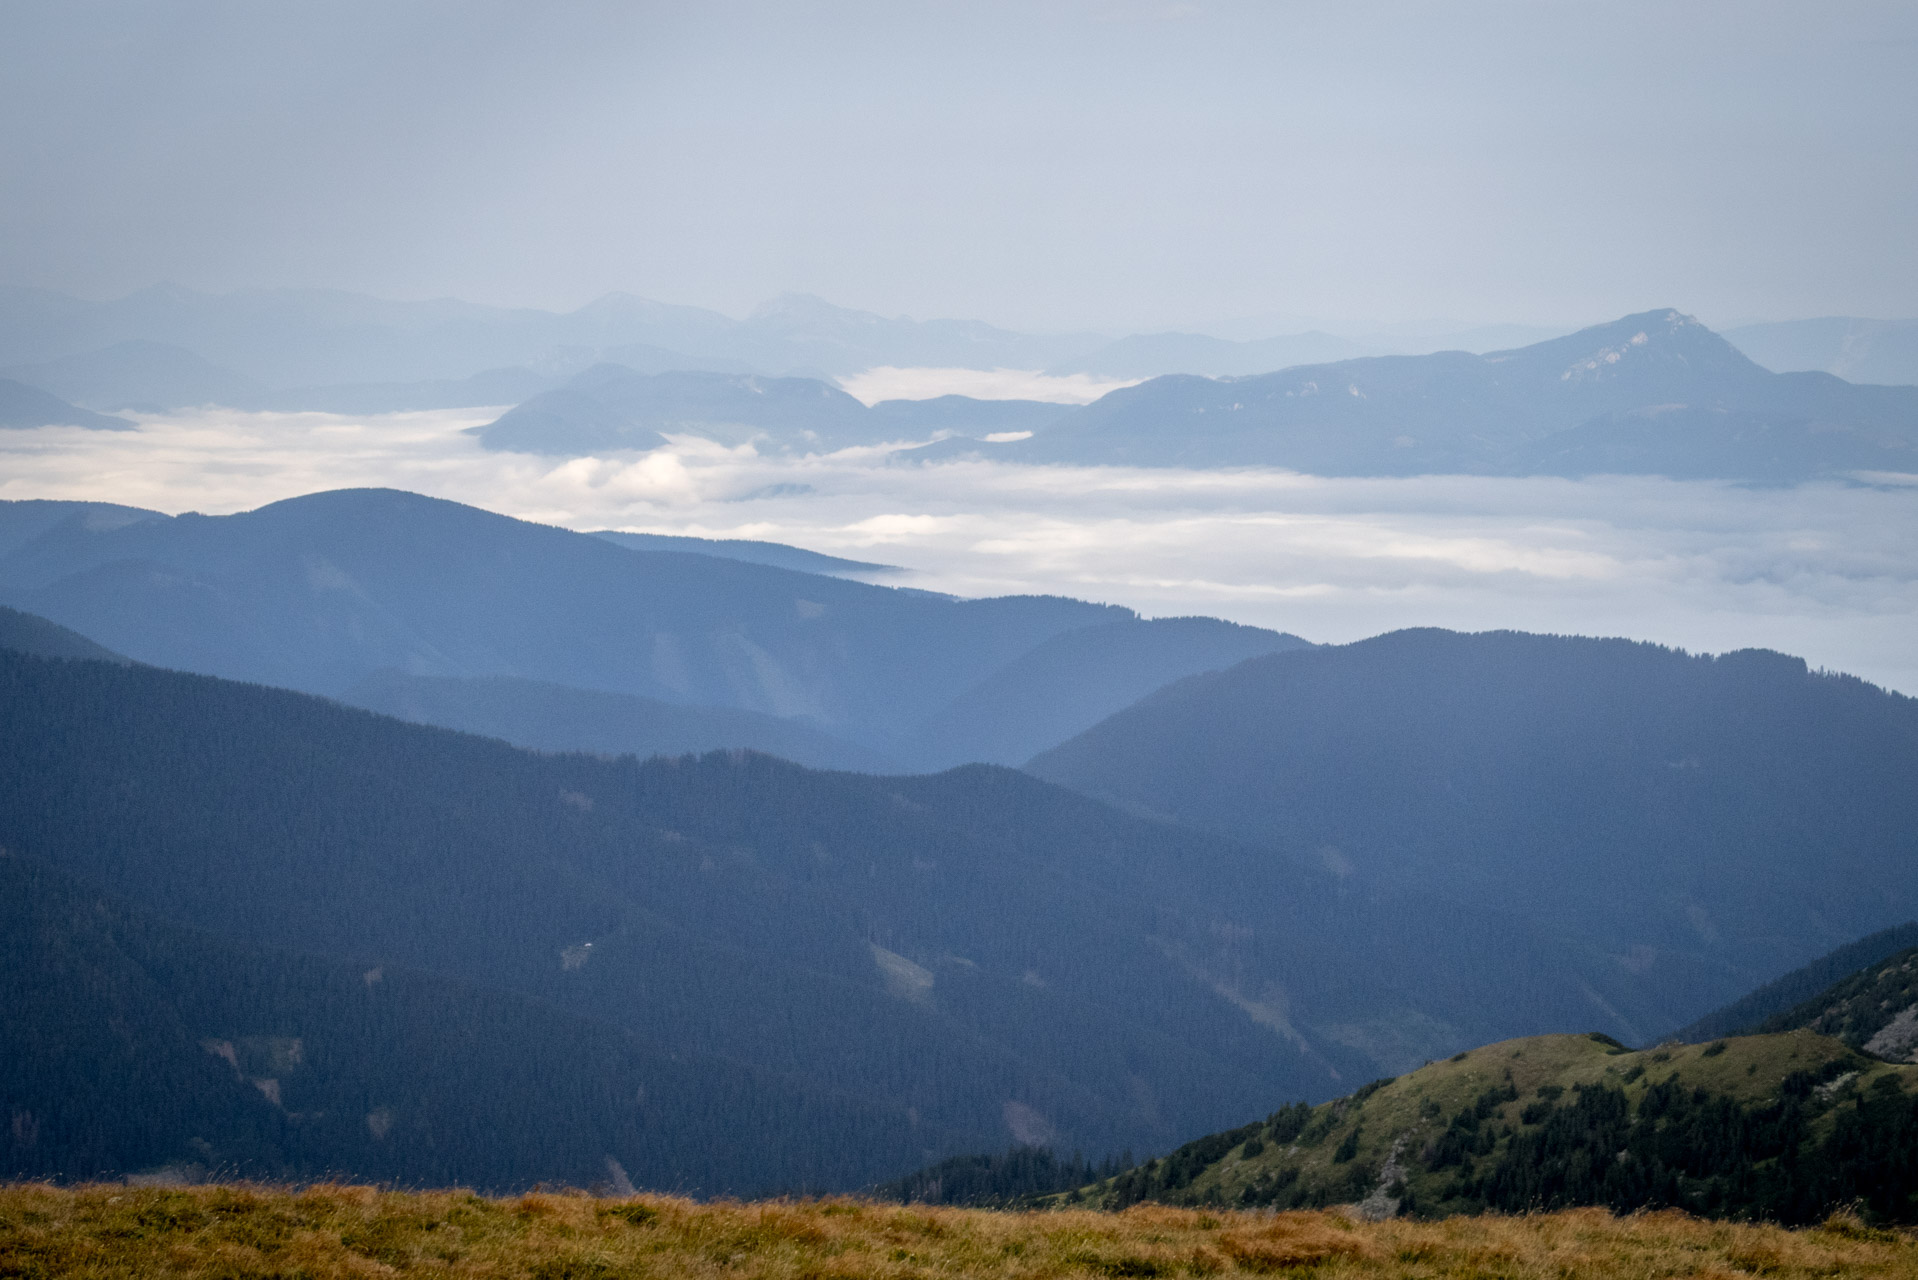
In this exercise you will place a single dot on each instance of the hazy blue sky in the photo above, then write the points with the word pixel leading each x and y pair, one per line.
pixel 1101 164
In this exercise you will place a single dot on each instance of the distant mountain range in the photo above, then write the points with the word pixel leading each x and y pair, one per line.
pixel 613 408
pixel 168 348
pixel 1880 351
pixel 23 406
pixel 323 593
pixel 1654 393
pixel 288 348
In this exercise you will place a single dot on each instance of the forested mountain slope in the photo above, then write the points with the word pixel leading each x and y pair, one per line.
pixel 135 1046
pixel 1874 1010
pixel 996 956
pixel 319 593
pixel 26 633
pixel 1801 988
pixel 1782 1128
pixel 557 717
pixel 1709 822
pixel 1808 1111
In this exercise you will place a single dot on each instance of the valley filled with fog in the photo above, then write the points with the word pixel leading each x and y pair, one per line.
pixel 1820 569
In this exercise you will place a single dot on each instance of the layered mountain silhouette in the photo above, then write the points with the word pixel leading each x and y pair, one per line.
pixel 1857 350
pixel 140 375
pixel 752 551
pixel 1651 393
pixel 1707 822
pixel 286 340
pixel 610 407
pixel 989 956
pixel 27 633
pixel 23 406
pixel 1656 393
pixel 557 717
pixel 320 593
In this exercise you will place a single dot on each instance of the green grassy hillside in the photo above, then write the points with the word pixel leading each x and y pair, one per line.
pixel 1781 1127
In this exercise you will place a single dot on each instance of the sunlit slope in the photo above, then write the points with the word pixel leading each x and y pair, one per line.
pixel 1782 1127
pixel 1708 822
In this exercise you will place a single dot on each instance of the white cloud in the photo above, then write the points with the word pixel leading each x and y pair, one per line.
pixel 889 383
pixel 1824 571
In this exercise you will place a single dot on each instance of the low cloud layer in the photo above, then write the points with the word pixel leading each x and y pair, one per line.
pixel 1822 571
pixel 889 383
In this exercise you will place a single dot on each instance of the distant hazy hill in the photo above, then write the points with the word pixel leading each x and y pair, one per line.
pixel 22 406
pixel 307 338
pixel 1651 393
pixel 1707 822
pixel 139 375
pixel 553 717
pixel 992 956
pixel 1883 351
pixel 609 407
pixel 1782 1128
pixel 1077 679
pixel 23 522
pixel 24 633
pixel 776 554
pixel 319 593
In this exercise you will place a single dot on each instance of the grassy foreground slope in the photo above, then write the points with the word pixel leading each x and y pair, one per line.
pixel 1782 1128
pixel 326 1232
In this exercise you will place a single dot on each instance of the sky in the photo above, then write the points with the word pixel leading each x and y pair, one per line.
pixel 1096 164
pixel 1822 571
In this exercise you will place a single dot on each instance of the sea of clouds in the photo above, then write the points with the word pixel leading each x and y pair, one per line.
pixel 1826 571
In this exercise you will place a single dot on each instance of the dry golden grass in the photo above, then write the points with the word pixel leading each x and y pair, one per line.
pixel 325 1232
